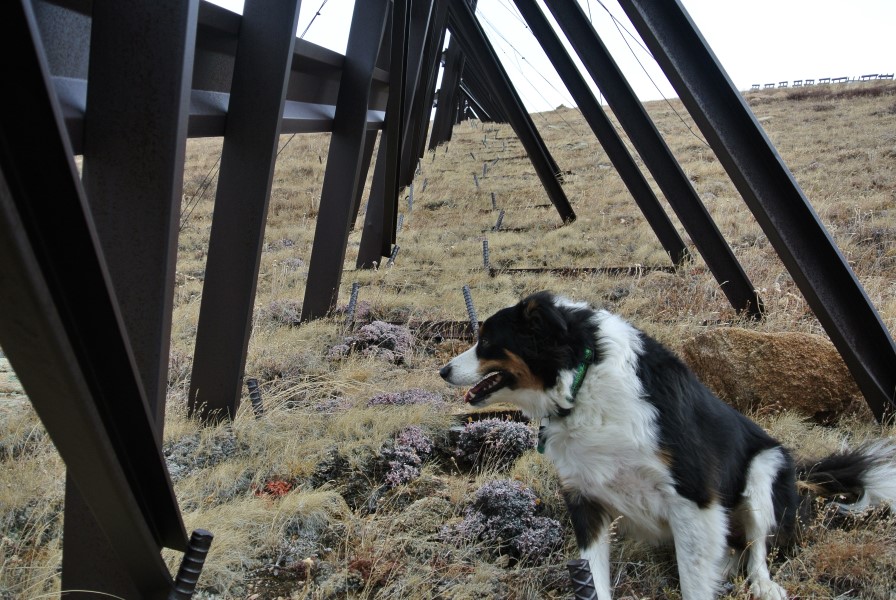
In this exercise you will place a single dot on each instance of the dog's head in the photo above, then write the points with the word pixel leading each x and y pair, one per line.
pixel 524 352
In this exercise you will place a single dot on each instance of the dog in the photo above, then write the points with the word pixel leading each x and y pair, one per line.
pixel 633 434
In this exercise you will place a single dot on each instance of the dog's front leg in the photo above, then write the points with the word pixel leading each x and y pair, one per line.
pixel 700 536
pixel 591 524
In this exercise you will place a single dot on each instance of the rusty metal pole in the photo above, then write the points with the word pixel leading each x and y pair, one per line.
pixel 191 565
pixel 582 581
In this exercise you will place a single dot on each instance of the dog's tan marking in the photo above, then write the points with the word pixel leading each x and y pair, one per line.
pixel 665 456
pixel 517 367
pixel 531 307
pixel 807 487
pixel 520 370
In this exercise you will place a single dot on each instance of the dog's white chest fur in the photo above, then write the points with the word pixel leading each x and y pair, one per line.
pixel 607 448
pixel 627 479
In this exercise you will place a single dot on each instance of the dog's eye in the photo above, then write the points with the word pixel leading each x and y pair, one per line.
pixel 483 343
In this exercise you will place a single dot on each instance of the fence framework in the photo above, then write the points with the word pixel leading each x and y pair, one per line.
pixel 87 260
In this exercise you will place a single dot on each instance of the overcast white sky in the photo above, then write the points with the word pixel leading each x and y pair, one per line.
pixel 757 41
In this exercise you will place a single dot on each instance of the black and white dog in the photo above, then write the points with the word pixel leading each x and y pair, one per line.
pixel 633 433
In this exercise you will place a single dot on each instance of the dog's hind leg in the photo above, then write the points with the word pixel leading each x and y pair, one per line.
pixel 700 547
pixel 757 514
pixel 591 524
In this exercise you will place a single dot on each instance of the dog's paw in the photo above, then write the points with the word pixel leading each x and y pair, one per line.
pixel 767 589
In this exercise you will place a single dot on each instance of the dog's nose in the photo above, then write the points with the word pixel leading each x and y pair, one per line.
pixel 445 371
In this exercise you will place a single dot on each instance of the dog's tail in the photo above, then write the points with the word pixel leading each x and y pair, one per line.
pixel 854 479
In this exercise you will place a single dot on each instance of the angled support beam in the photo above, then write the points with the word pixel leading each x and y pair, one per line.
pixel 484 111
pixel 475 84
pixel 424 59
pixel 140 68
pixel 605 132
pixel 657 157
pixel 422 112
pixel 448 92
pixel 141 61
pixel 366 158
pixel 67 341
pixel 773 195
pixel 420 17
pixel 248 157
pixel 379 219
pixel 344 159
pixel 479 50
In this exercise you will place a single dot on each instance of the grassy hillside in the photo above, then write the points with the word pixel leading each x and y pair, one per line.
pixel 356 482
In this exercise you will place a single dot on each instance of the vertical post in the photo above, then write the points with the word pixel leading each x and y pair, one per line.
pixel 140 69
pixel 352 304
pixel 257 95
pixel 191 565
pixel 366 157
pixel 444 117
pixel 427 60
pixel 344 159
pixel 471 312
pixel 375 224
pixel 255 397
pixel 582 580
pixel 433 62
pixel 376 238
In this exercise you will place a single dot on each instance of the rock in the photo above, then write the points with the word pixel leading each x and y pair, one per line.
pixel 773 372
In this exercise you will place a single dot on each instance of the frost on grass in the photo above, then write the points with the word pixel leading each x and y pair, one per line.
pixel 378 339
pixel 281 312
pixel 406 398
pixel 191 453
pixel 405 455
pixel 363 311
pixel 364 476
pixel 503 518
pixel 495 443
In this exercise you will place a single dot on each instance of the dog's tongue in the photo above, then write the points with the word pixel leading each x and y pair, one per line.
pixel 484 385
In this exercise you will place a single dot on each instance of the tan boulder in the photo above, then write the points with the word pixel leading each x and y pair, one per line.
pixel 773 372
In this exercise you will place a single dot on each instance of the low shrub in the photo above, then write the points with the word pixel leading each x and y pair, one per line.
pixel 503 517
pixel 493 443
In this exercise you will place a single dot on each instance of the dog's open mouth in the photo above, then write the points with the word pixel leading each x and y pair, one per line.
pixel 487 386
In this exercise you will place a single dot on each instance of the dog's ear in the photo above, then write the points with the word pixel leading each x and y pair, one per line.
pixel 541 314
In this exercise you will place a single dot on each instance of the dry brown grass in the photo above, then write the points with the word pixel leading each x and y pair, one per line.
pixel 839 142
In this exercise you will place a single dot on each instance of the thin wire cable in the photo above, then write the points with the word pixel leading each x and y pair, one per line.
pixel 620 24
pixel 283 147
pixel 519 68
pixel 512 12
pixel 203 186
pixel 540 74
pixel 620 28
pixel 193 202
pixel 316 15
